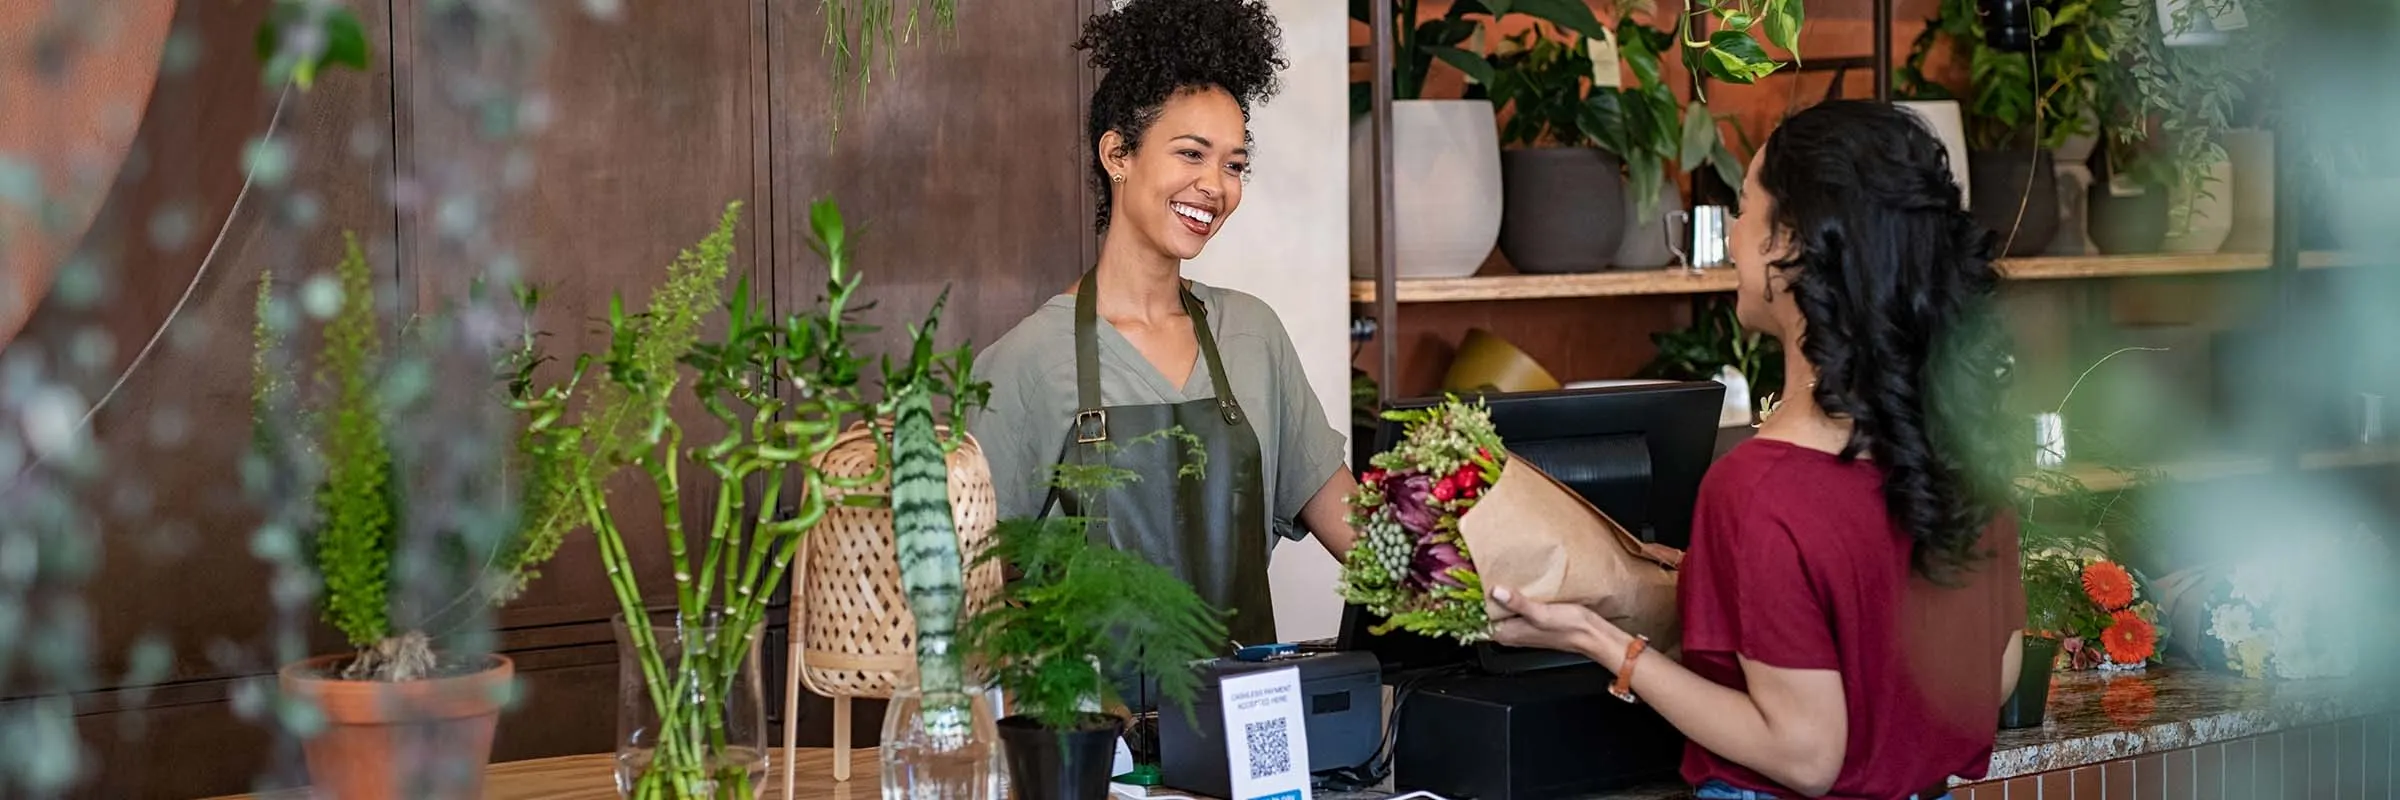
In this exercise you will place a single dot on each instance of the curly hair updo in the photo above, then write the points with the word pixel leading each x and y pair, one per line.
pixel 1895 281
pixel 1152 50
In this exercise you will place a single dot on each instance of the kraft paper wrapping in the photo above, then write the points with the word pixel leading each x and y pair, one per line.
pixel 1534 535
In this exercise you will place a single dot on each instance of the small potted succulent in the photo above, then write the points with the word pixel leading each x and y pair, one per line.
pixel 1074 616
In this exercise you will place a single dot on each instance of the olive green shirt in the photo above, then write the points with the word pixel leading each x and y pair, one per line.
pixel 1032 371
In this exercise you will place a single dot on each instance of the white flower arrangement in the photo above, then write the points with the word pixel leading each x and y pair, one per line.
pixel 2289 616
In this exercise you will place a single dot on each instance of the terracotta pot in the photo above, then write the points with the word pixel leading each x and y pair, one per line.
pixel 415 739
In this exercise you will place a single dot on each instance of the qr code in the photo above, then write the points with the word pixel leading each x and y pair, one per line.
pixel 1270 747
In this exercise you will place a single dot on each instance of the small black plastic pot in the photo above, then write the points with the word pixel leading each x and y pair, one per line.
pixel 1048 764
pixel 2027 704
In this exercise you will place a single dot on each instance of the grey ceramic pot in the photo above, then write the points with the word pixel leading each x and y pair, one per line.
pixel 1998 182
pixel 1645 243
pixel 2132 224
pixel 1564 208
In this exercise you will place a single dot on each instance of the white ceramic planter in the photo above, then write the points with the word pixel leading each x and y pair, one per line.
pixel 2252 153
pixel 1446 193
pixel 2212 216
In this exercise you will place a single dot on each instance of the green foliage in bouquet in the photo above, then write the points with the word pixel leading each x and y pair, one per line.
pixel 354 543
pixel 1079 611
pixel 1411 565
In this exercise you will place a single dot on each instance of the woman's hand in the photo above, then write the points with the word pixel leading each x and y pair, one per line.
pixel 1550 626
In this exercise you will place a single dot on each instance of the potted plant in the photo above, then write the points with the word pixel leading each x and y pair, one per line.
pixel 1076 615
pixel 2020 108
pixel 2177 103
pixel 1561 171
pixel 777 392
pixel 406 714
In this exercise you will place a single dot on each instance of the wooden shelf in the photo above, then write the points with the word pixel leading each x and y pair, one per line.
pixel 1673 281
pixel 2103 479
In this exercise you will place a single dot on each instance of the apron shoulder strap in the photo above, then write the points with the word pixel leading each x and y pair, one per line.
pixel 1227 404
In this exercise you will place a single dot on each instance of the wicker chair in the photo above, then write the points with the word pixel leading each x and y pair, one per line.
pixel 852 634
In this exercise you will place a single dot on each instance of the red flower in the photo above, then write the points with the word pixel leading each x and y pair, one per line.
pixel 2108 585
pixel 1468 476
pixel 1371 476
pixel 1444 490
pixel 2130 639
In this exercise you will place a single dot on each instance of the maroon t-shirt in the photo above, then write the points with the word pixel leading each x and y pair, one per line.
pixel 1795 563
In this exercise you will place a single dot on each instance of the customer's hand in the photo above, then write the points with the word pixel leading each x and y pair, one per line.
pixel 1550 626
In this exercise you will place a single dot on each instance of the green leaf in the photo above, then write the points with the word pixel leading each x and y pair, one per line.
pixel 1729 167
pixel 1572 15
pixel 345 39
pixel 1784 18
pixel 1602 119
pixel 1739 22
pixel 2041 22
pixel 1699 134
pixel 1736 58
pixel 1646 172
pixel 1477 69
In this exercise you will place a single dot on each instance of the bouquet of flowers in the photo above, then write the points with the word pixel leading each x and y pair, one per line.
pixel 2094 607
pixel 1449 510
pixel 2282 615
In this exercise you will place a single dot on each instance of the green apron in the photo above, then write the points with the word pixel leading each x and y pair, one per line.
pixel 1211 530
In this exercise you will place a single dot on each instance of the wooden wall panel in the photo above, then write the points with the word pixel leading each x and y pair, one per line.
pixel 649 120
pixel 965 168
pixel 175 555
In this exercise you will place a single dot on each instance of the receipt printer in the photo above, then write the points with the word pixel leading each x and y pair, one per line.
pixel 1344 696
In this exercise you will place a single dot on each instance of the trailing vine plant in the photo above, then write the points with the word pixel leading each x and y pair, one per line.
pixel 855 30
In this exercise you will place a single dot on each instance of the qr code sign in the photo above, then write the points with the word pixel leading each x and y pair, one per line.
pixel 1270 747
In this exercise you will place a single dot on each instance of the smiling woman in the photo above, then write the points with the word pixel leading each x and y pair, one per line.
pixel 67 119
pixel 1197 390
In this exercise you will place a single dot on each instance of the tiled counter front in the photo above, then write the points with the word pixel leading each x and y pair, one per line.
pixel 2176 734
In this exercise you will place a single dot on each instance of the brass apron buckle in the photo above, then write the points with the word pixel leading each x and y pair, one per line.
pixel 1091 425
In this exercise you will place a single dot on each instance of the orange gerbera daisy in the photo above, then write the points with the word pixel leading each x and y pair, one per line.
pixel 2108 584
pixel 2130 639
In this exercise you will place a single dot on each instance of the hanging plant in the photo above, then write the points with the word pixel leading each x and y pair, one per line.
pixel 855 30
pixel 1732 54
pixel 300 38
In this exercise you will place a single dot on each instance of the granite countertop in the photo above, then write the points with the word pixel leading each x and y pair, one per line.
pixel 2096 717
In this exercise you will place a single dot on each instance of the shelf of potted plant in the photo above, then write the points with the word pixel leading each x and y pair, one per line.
pixel 1679 281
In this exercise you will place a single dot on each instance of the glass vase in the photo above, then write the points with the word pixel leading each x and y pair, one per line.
pixel 922 764
pixel 691 719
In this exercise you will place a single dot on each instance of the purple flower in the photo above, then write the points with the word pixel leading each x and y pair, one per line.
pixel 1434 562
pixel 1409 497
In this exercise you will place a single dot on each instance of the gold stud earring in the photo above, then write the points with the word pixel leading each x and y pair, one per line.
pixel 1116 177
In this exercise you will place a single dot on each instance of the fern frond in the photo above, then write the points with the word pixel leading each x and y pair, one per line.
pixel 358 500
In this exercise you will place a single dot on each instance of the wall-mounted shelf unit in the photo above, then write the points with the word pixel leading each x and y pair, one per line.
pixel 2103 479
pixel 1681 281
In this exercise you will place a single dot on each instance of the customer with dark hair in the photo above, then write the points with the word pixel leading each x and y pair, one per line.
pixel 1851 601
pixel 1135 351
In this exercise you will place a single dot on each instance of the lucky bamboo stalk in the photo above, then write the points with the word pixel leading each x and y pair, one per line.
pixel 932 571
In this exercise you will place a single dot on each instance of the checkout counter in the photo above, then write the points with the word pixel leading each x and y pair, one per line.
pixel 1410 713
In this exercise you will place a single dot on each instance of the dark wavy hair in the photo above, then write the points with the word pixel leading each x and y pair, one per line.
pixel 1896 282
pixel 1152 50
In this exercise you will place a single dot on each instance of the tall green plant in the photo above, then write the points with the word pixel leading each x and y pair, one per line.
pixel 932 571
pixel 344 427
pixel 2167 109
pixel 1080 611
pixel 1730 54
pixel 780 389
